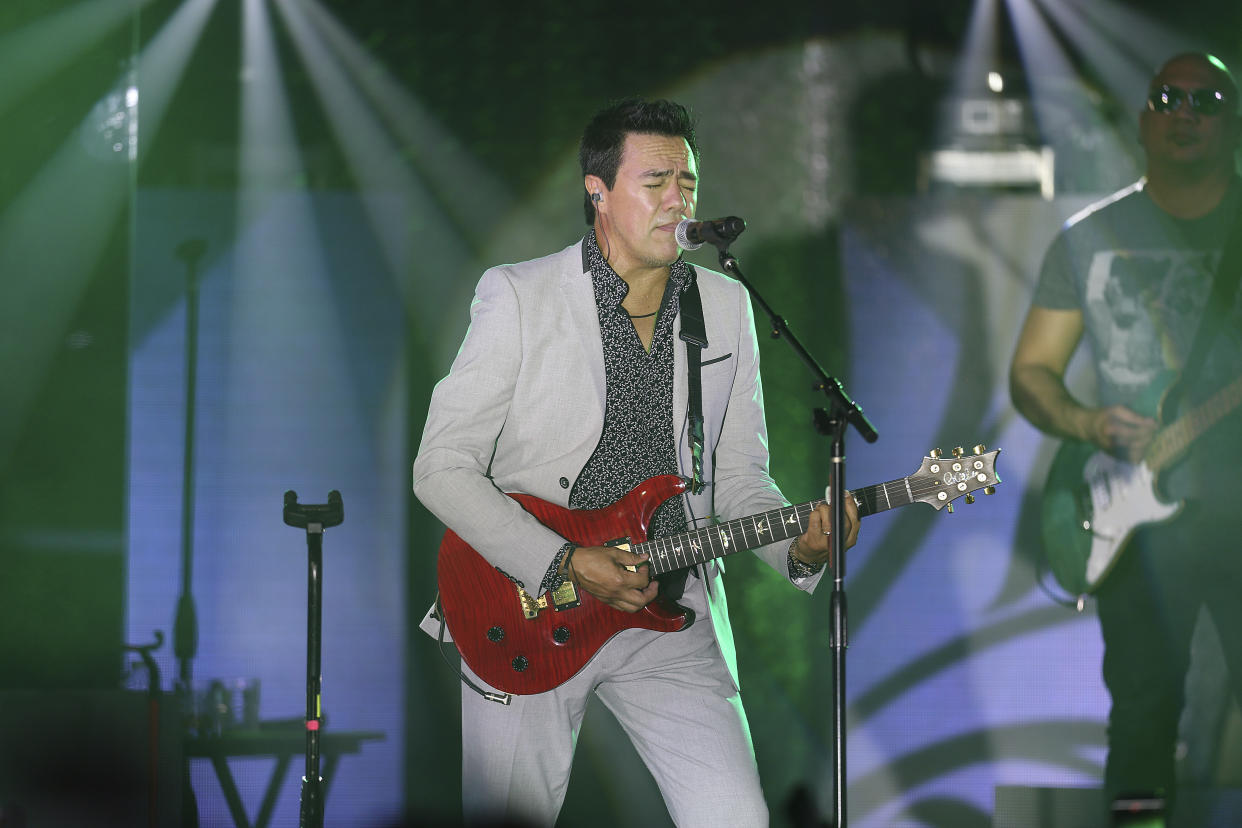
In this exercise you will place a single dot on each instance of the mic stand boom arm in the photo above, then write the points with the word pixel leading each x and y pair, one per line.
pixel 839 401
pixel 831 423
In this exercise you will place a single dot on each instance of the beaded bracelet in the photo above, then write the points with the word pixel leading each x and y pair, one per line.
pixel 799 568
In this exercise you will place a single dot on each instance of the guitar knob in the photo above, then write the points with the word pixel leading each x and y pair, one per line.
pixel 958 451
pixel 520 664
pixel 934 454
pixel 990 490
pixel 496 634
pixel 970 499
pixel 979 449
pixel 560 635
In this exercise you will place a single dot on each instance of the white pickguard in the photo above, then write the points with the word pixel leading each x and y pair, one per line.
pixel 1123 497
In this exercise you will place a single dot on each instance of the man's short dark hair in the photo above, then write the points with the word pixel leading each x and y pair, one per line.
pixel 603 140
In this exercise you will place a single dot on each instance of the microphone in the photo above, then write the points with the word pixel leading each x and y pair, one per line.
pixel 691 234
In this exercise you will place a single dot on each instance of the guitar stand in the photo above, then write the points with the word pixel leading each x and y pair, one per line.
pixel 314 519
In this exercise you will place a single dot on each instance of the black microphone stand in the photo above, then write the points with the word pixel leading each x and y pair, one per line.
pixel 185 627
pixel 831 423
pixel 314 519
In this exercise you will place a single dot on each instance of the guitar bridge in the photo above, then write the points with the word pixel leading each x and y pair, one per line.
pixel 563 597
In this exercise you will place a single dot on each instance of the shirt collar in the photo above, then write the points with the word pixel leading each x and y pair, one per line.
pixel 610 289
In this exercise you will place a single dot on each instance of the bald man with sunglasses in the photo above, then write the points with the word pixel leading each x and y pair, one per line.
pixel 1132 275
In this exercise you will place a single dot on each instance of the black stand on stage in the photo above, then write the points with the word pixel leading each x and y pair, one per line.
pixel 314 519
pixel 185 627
pixel 831 423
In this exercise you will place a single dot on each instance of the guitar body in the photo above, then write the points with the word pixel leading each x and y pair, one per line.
pixel 1092 504
pixel 486 613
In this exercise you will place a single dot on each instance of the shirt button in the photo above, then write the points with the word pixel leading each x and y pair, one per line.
pixel 564 483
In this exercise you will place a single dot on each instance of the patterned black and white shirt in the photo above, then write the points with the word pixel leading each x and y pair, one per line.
pixel 638 439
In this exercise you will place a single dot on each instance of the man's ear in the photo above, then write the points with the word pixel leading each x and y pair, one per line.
pixel 594 184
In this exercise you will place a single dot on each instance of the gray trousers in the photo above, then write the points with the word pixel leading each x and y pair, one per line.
pixel 674 697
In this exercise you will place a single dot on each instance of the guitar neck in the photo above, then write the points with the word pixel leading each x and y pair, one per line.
pixel 700 545
pixel 1173 440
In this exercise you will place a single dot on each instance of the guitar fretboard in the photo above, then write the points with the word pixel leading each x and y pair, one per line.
pixel 700 545
pixel 1171 442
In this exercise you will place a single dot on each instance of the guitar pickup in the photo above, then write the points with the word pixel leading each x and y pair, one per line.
pixel 621 543
pixel 563 597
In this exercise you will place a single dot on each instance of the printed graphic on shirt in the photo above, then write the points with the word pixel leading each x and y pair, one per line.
pixel 1144 307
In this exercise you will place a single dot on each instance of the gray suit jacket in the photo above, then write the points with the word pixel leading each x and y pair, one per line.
pixel 522 409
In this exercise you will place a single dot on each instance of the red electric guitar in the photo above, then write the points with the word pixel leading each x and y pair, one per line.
pixel 521 644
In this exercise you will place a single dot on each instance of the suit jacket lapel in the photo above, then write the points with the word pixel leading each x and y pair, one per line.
pixel 578 294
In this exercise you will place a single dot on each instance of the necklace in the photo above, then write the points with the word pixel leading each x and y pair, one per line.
pixel 641 316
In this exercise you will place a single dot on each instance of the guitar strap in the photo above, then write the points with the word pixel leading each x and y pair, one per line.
pixel 1221 299
pixel 694 334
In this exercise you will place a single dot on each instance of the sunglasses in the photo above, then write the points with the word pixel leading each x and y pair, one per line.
pixel 1168 99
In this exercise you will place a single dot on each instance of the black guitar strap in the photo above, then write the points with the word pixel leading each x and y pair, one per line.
pixel 1220 301
pixel 694 334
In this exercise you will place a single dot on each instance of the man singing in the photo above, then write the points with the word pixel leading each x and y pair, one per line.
pixel 572 385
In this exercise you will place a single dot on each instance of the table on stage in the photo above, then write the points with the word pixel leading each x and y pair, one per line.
pixel 284 744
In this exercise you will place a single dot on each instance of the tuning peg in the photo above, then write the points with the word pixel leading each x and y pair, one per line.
pixel 979 449
pixel 957 451
pixel 950 508
pixel 990 490
pixel 934 454
pixel 970 498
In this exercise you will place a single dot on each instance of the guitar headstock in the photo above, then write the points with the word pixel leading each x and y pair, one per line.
pixel 942 480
